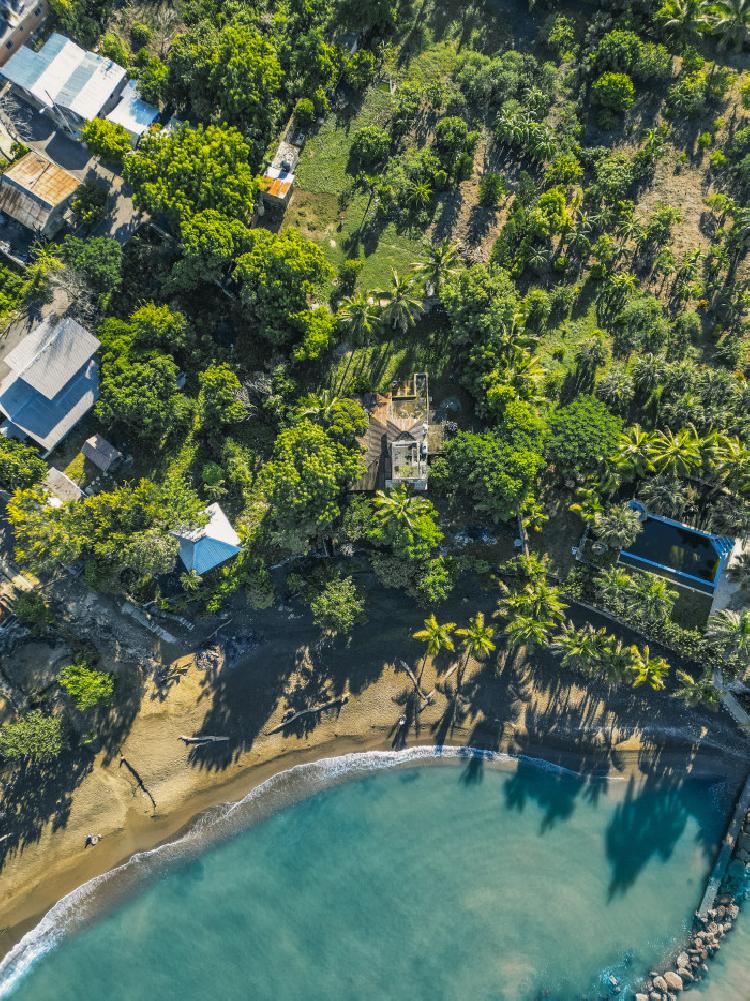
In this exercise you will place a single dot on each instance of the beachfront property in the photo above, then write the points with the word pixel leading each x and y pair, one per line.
pixel 19 19
pixel 36 193
pixel 67 83
pixel 687 556
pixel 205 548
pixel 400 436
pixel 52 382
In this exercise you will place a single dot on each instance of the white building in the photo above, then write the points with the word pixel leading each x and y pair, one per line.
pixel 70 85
pixel 134 114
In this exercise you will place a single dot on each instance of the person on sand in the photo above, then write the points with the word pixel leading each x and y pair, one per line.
pixel 92 839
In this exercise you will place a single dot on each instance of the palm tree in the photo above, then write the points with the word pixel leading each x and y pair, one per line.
pixel 418 195
pixel 676 454
pixel 533 612
pixel 613 586
pixel 441 262
pixel 656 600
pixel 619 526
pixel 359 316
pixel 399 508
pixel 730 631
pixel 319 406
pixel 697 691
pixel 730 20
pixel 403 308
pixel 633 459
pixel 618 662
pixel 436 636
pixel 650 670
pixel 579 648
pixel 191 581
pixel 476 641
pixel 665 496
pixel 684 19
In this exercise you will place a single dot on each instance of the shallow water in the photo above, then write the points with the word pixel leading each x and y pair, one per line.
pixel 461 880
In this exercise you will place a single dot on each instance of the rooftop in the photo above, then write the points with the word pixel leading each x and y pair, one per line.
pixel 64 74
pixel 62 488
pixel 133 113
pixel 204 548
pixel 32 188
pixel 99 451
pixel 51 354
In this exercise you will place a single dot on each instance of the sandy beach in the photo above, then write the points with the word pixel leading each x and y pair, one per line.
pixel 519 707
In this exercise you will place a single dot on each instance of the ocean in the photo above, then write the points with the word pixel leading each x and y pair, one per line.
pixel 395 876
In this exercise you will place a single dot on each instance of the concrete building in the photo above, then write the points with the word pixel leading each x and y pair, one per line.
pixel 67 83
pixel 134 114
pixel 207 547
pixel 53 382
pixel 277 182
pixel 37 193
pixel 19 19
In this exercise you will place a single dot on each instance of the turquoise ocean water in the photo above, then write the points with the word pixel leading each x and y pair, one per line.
pixel 458 879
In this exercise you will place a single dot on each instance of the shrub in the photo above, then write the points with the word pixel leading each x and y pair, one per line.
pixel 89 203
pixel 492 188
pixel 34 737
pixel 86 686
pixel 115 48
pixel 348 273
pixel 20 465
pixel 33 610
pixel 304 113
pixel 614 91
pixel 583 435
pixel 140 34
pixel 359 69
pixel 338 607
pixel 369 149
pixel 561 36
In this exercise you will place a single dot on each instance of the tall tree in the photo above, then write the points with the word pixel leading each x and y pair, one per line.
pixel 403 306
pixel 476 641
pixel 436 636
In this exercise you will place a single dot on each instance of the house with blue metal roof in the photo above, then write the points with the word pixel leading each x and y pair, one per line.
pixel 53 382
pixel 204 548
pixel 70 85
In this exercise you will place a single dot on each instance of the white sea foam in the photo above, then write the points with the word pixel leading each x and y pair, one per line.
pixel 83 903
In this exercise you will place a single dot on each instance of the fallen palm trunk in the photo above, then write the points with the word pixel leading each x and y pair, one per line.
pixel 333 704
pixel 201 740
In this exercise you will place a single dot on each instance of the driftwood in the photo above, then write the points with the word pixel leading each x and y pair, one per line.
pixel 333 704
pixel 426 699
pixel 202 740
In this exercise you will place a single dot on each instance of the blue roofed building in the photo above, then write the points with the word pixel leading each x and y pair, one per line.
pixel 204 548
pixel 52 383
pixel 134 114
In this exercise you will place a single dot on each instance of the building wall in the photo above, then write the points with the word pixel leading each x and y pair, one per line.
pixel 16 34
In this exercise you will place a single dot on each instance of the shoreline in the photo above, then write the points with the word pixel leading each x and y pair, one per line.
pixel 117 849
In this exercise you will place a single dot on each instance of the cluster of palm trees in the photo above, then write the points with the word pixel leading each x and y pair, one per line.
pixel 476 641
pixel 597 653
pixel 520 128
pixel 687 20
pixel 364 315
pixel 730 631
pixel 645 599
pixel 683 454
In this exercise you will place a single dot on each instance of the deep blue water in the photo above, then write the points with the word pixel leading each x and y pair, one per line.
pixel 452 881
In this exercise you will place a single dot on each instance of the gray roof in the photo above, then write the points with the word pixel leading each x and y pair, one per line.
pixel 133 113
pixel 49 357
pixel 99 451
pixel 61 486
pixel 65 74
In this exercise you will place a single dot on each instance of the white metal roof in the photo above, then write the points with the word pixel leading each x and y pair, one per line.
pixel 51 354
pixel 133 113
pixel 63 73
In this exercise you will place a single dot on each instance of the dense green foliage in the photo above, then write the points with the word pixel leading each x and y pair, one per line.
pixel 32 737
pixel 87 687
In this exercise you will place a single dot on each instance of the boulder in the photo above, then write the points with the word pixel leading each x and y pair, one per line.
pixel 682 959
pixel 734 912
pixel 674 981
pixel 660 984
pixel 641 997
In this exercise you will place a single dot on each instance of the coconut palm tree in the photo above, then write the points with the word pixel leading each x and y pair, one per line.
pixel 399 508
pixel 730 20
pixel 579 648
pixel 730 631
pixel 533 612
pixel 697 691
pixel 359 317
pixel 437 636
pixel 730 515
pixel 619 526
pixel 676 454
pixel 665 496
pixel 418 195
pixel 618 661
pixel 649 670
pixel 318 406
pixel 476 641
pixel 613 586
pixel 656 600
pixel 441 262
pixel 403 308
pixel 684 20
pixel 633 458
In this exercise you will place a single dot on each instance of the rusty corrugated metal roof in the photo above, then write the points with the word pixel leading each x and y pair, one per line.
pixel 33 188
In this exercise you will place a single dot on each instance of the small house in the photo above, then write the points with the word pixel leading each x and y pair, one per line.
pixel 19 19
pixel 277 182
pixel 99 451
pixel 134 114
pixel 37 193
pixel 53 382
pixel 67 83
pixel 400 436
pixel 204 548
pixel 61 488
